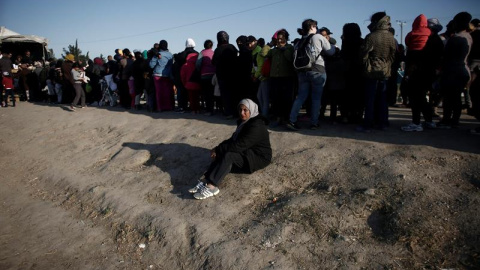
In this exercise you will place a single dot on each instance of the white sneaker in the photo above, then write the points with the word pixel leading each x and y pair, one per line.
pixel 412 127
pixel 206 192
pixel 197 188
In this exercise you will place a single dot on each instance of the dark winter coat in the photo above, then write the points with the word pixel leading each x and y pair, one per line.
pixel 138 72
pixel 378 50
pixel 253 142
pixel 282 61
pixel 225 60
pixel 336 72
pixel 433 54
pixel 112 67
pixel 6 66
pixel 245 62
pixel 179 59
pixel 127 70
pixel 67 71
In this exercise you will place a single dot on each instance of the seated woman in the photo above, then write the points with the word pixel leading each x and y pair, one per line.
pixel 247 150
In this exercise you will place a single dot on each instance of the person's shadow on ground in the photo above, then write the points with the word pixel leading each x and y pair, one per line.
pixel 184 163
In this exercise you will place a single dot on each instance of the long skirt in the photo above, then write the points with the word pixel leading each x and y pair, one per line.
pixel 164 93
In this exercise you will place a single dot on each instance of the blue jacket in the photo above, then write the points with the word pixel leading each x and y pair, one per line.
pixel 162 66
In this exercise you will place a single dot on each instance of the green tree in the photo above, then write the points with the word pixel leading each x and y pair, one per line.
pixel 75 50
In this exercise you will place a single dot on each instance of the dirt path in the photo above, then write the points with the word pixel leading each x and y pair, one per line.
pixel 101 188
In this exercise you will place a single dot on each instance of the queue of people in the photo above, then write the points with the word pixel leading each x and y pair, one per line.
pixel 269 83
pixel 358 81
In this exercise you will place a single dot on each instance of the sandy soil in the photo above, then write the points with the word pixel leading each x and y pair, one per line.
pixel 103 188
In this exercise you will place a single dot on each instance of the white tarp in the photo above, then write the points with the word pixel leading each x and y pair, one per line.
pixel 7 35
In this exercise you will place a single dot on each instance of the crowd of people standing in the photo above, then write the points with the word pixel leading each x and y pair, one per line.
pixel 359 81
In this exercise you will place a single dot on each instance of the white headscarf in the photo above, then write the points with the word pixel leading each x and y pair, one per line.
pixel 189 43
pixel 252 107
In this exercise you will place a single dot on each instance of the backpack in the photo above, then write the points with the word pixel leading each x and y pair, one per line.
pixel 302 56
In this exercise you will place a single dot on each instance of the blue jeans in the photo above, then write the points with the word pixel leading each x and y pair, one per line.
pixel 376 107
pixel 309 82
pixel 58 91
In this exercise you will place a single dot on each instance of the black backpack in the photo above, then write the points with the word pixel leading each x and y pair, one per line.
pixel 302 56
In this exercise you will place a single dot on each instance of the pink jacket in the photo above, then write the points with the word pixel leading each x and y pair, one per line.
pixel 207 67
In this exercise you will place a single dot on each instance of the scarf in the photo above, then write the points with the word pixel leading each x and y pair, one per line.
pixel 253 108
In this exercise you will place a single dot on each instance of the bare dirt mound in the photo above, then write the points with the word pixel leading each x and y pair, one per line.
pixel 102 188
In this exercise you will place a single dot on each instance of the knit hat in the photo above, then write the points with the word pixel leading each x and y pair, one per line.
pixel 189 43
pixel 434 25
pixel 70 57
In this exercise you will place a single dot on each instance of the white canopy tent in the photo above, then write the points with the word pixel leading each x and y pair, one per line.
pixel 17 43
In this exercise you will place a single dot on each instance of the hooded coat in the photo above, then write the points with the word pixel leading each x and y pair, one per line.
pixel 417 38
pixel 378 50
pixel 225 60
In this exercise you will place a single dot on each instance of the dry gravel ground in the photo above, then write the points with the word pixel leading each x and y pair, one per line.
pixel 103 188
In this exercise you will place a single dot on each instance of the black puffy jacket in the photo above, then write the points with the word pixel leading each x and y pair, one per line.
pixel 253 142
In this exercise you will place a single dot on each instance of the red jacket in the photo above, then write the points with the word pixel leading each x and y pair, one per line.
pixel 417 38
pixel 187 71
